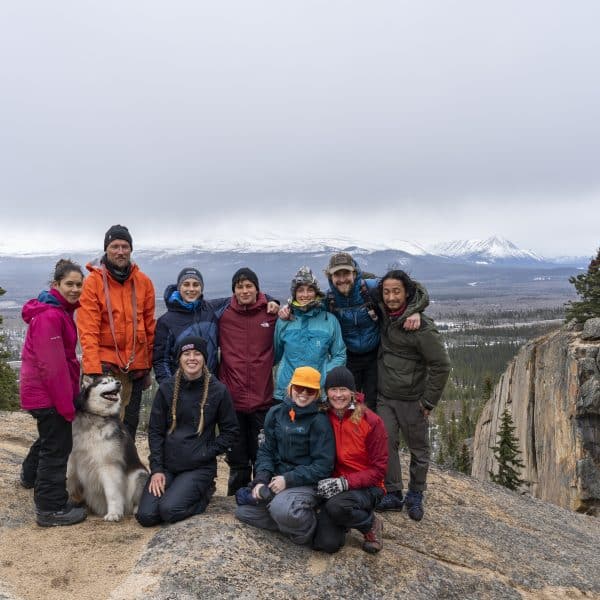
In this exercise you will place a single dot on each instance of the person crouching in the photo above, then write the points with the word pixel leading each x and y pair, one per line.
pixel 298 451
pixel 356 487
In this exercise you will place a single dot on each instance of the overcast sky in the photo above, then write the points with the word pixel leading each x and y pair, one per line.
pixel 190 120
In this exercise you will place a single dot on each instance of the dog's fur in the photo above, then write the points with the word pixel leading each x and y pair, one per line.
pixel 104 467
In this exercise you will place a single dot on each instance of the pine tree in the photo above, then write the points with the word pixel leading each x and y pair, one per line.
pixel 9 390
pixel 506 452
pixel 588 288
pixel 463 463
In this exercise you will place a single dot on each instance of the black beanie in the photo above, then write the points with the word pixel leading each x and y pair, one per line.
pixel 244 273
pixel 189 273
pixel 340 377
pixel 192 342
pixel 117 232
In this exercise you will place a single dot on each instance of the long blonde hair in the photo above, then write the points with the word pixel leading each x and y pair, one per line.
pixel 178 378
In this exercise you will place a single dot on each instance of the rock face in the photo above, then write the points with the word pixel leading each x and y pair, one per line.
pixel 552 389
pixel 477 540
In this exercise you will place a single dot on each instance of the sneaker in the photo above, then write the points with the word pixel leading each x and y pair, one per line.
pixel 69 515
pixel 373 542
pixel 391 501
pixel 24 482
pixel 414 504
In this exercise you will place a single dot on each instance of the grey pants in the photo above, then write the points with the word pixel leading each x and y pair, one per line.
pixel 292 512
pixel 407 418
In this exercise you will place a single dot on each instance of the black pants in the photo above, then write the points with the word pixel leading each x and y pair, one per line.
pixel 347 510
pixel 364 369
pixel 187 493
pixel 131 418
pixel 242 456
pixel 46 463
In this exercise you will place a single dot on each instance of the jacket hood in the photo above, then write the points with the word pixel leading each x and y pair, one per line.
pixel 46 300
pixel 354 294
pixel 178 303
pixel 261 301
pixel 96 266
pixel 311 409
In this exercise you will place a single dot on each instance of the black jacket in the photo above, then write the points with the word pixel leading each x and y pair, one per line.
pixel 184 449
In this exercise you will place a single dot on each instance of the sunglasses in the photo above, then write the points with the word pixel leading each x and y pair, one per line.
pixel 301 388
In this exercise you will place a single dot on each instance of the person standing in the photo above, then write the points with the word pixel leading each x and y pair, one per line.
pixel 187 411
pixel 116 322
pixel 413 368
pixel 361 456
pixel 49 387
pixel 246 331
pixel 353 299
pixel 310 336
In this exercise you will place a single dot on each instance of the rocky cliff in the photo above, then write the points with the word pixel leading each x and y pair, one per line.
pixel 552 389
pixel 477 540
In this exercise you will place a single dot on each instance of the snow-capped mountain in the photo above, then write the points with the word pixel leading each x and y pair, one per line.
pixel 493 250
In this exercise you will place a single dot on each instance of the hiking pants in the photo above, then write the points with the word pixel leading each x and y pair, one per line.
pixel 406 417
pixel 242 456
pixel 46 463
pixel 347 510
pixel 187 493
pixel 364 369
pixel 292 512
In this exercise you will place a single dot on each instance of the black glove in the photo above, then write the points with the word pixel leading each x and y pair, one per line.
pixel 326 488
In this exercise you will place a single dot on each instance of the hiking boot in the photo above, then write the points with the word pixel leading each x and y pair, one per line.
pixel 373 542
pixel 25 482
pixel 414 505
pixel 391 501
pixel 69 515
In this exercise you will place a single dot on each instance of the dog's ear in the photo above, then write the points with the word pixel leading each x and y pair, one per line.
pixel 87 380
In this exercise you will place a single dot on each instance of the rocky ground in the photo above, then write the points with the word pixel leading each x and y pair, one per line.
pixel 477 541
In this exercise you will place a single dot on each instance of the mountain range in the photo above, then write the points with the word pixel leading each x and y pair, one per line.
pixel 461 269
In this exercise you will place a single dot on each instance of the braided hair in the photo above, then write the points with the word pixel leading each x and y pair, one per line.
pixel 178 377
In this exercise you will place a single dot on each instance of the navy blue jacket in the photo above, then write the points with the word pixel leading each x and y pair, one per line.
pixel 180 321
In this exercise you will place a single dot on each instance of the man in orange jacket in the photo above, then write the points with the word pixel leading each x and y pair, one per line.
pixel 112 339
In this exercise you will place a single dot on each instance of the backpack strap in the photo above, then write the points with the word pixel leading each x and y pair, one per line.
pixel 370 303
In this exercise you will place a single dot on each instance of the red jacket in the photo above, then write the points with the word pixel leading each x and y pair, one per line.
pixel 50 369
pixel 246 340
pixel 97 343
pixel 361 452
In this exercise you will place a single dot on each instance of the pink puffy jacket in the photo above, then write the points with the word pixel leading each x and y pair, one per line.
pixel 50 369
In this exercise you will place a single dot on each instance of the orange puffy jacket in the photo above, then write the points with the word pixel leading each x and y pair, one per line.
pixel 95 335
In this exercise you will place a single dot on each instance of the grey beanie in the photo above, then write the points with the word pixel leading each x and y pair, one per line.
pixel 189 273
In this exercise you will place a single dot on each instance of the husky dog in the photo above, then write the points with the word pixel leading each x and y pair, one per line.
pixel 104 467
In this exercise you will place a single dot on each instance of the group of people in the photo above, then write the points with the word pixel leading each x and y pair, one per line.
pixel 312 450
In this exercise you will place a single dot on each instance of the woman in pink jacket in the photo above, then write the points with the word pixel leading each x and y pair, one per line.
pixel 49 386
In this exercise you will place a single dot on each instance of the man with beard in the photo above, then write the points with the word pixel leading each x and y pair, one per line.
pixel 116 321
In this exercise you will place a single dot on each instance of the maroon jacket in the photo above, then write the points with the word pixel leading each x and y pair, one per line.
pixel 49 368
pixel 246 340
pixel 361 452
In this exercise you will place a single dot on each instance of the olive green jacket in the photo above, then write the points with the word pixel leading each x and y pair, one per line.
pixel 412 365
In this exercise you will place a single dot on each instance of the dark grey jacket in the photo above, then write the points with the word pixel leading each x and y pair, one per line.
pixel 412 365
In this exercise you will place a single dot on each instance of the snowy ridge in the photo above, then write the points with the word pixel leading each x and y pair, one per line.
pixel 482 251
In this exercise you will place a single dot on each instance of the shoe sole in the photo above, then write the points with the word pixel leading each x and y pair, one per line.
pixel 383 509
pixel 49 523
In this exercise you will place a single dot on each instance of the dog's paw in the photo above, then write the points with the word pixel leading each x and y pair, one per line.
pixel 113 516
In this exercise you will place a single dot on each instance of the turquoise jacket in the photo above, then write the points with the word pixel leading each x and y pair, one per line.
pixel 312 338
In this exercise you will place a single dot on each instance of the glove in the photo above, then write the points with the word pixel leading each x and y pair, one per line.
pixel 326 488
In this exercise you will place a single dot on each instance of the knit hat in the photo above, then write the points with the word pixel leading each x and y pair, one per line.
pixel 340 377
pixel 192 342
pixel 339 261
pixel 244 273
pixel 304 276
pixel 307 377
pixel 189 273
pixel 117 232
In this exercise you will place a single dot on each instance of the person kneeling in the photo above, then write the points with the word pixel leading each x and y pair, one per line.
pixel 298 450
pixel 183 447
pixel 360 465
